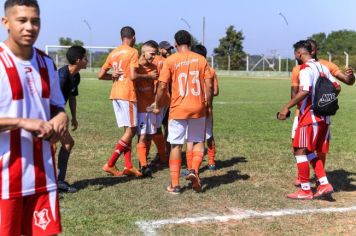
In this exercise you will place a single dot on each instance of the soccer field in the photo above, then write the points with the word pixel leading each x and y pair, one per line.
pixel 255 171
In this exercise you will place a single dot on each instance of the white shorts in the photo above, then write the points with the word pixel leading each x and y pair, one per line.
pixel 294 127
pixel 147 123
pixel 125 113
pixel 192 130
pixel 209 127
pixel 160 116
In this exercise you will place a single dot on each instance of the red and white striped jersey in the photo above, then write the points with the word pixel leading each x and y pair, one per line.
pixel 27 90
pixel 308 75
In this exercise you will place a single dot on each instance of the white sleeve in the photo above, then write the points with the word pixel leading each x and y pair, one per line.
pixel 56 97
pixel 306 79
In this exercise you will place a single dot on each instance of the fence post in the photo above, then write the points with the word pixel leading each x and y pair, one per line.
pixel 247 63
pixel 228 62
pixel 329 54
pixel 279 63
pixel 212 61
pixel 347 59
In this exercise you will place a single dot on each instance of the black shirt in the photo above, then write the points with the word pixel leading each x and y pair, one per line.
pixel 69 84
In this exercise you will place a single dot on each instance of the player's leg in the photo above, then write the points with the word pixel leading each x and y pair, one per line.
pixel 321 145
pixel 126 116
pixel 160 140
pixel 300 144
pixel 294 128
pixel 196 135
pixel 11 211
pixel 67 143
pixel 210 141
pixel 176 136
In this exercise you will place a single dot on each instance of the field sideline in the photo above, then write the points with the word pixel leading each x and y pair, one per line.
pixel 256 170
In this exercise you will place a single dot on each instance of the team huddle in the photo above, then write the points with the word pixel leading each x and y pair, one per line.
pixel 149 87
pixel 161 97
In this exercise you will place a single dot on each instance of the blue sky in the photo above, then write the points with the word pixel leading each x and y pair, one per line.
pixel 263 28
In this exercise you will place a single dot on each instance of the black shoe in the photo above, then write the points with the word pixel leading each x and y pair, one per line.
pixel 63 186
pixel 146 171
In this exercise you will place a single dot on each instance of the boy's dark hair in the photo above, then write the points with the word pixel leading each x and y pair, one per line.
pixel 127 32
pixel 27 3
pixel 151 43
pixel 200 49
pixel 74 53
pixel 183 37
pixel 303 44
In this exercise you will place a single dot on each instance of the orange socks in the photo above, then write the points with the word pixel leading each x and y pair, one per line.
pixel 142 154
pixel 197 160
pixel 211 155
pixel 160 143
pixel 174 169
pixel 189 157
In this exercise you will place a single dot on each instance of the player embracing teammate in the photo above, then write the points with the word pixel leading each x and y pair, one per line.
pixel 312 132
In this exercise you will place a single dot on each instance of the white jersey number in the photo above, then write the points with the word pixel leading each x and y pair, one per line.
pixel 117 67
pixel 184 86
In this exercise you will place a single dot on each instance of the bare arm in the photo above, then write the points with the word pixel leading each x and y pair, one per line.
pixel 60 125
pixel 209 90
pixel 161 90
pixel 73 111
pixel 39 128
pixel 346 77
pixel 293 91
pixel 294 101
pixel 216 88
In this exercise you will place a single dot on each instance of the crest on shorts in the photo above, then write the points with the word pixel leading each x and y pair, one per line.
pixel 41 218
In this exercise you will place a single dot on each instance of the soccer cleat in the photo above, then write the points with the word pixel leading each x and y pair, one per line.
pixel 146 171
pixel 212 167
pixel 157 163
pixel 297 182
pixel 323 191
pixel 194 178
pixel 112 170
pixel 132 172
pixel 173 190
pixel 301 195
pixel 64 187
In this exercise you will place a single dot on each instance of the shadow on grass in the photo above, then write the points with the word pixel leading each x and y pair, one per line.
pixel 221 164
pixel 217 180
pixel 101 182
pixel 342 180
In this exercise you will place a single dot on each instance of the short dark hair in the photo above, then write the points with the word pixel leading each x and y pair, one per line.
pixel 151 43
pixel 127 32
pixel 74 53
pixel 183 37
pixel 303 44
pixel 312 41
pixel 200 49
pixel 27 3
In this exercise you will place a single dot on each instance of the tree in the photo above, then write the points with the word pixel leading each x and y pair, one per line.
pixel 68 42
pixel 231 45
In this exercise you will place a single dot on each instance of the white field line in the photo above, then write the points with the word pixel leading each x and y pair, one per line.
pixel 149 228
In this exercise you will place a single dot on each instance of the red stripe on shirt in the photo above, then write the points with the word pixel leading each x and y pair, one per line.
pixel 44 77
pixel 15 163
pixel 14 79
pixel 40 174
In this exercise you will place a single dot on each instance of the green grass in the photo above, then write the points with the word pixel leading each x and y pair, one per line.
pixel 256 168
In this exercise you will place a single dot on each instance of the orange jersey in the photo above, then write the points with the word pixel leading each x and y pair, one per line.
pixel 215 78
pixel 159 61
pixel 186 73
pixel 123 58
pixel 145 88
pixel 334 70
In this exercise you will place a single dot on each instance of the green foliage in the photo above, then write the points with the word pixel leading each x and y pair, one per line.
pixel 69 42
pixel 337 42
pixel 231 45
